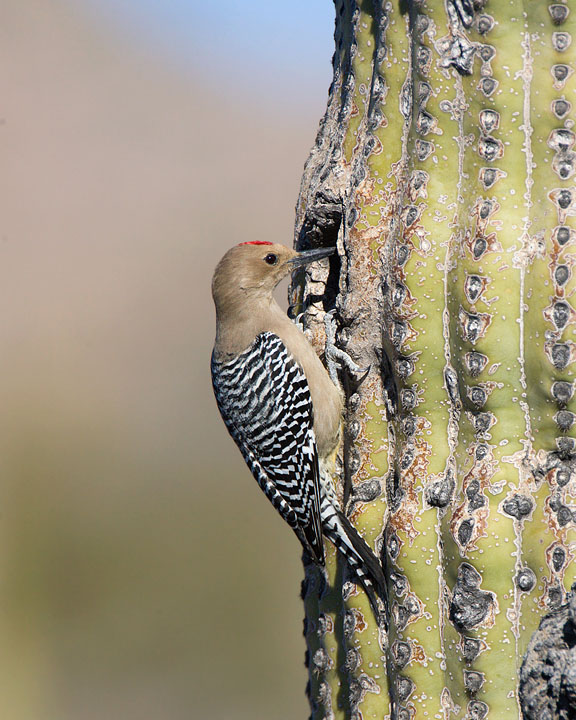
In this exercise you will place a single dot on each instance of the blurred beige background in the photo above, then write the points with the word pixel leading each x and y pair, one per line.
pixel 143 574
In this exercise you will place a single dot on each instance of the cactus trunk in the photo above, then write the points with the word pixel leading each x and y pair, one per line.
pixel 443 168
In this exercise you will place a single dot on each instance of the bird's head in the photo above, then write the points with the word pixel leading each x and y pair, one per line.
pixel 252 270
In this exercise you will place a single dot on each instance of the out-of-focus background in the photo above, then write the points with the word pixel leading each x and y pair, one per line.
pixel 142 573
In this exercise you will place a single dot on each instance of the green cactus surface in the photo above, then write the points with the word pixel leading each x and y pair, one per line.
pixel 444 171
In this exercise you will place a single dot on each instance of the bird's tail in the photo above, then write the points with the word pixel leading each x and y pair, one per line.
pixel 362 561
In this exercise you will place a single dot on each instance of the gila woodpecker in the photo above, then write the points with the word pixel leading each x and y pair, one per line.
pixel 280 404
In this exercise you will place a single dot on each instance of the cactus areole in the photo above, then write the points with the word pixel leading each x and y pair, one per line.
pixel 444 171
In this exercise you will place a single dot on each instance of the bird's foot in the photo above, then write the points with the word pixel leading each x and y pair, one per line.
pixel 299 321
pixel 335 357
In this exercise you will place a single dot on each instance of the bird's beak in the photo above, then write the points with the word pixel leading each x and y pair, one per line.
pixel 309 256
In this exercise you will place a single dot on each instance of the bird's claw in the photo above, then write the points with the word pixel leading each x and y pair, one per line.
pixel 335 357
pixel 299 321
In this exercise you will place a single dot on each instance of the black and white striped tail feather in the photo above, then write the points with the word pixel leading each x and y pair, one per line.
pixel 359 556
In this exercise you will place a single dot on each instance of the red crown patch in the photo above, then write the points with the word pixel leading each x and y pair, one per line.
pixel 256 242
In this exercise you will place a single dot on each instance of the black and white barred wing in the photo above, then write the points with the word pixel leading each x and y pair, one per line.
pixel 265 402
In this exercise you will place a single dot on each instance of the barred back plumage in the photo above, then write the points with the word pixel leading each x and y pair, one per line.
pixel 264 400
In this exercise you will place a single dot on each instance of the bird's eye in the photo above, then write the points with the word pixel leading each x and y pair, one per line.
pixel 271 259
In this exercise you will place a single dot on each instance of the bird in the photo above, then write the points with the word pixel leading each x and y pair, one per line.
pixel 281 406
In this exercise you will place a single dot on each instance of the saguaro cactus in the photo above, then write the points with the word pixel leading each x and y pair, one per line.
pixel 444 169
